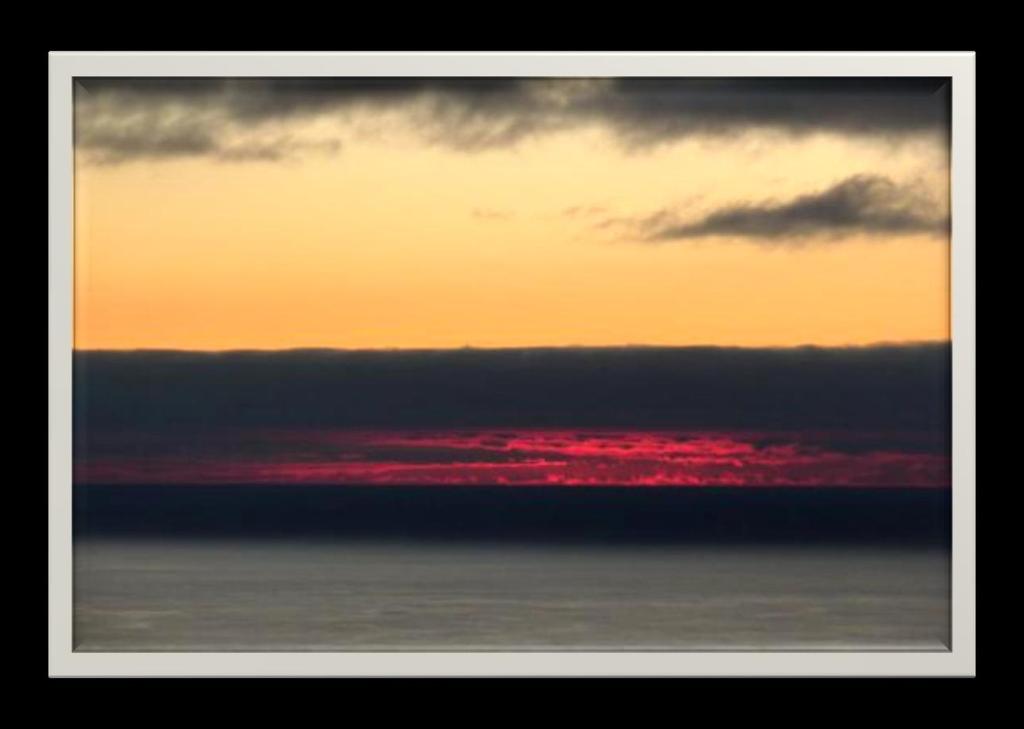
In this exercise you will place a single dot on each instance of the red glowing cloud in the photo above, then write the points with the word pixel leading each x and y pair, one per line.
pixel 584 457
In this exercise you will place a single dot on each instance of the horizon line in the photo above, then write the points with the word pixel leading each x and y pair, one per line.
pixel 547 347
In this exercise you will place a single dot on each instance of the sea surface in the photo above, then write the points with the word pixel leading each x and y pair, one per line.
pixel 292 568
pixel 197 594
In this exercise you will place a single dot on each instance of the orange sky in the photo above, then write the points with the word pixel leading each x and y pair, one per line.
pixel 394 242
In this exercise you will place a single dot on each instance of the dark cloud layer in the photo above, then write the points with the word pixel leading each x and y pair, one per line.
pixel 862 204
pixel 124 119
pixel 886 388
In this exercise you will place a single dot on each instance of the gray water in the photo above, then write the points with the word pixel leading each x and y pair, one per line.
pixel 288 596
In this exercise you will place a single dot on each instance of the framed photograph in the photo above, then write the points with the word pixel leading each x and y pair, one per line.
pixel 511 364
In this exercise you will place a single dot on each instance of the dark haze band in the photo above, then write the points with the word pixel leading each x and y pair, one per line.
pixel 885 388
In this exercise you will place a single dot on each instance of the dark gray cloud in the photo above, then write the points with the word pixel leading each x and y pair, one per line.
pixel 862 204
pixel 154 138
pixel 649 110
pixel 111 139
pixel 121 119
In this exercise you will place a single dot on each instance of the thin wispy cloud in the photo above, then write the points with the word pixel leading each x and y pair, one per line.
pixel 869 205
pixel 492 214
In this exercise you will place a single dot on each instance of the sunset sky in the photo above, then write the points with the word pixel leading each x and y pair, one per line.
pixel 270 214
pixel 455 268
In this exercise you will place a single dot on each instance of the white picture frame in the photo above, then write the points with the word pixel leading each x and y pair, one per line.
pixel 64 67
